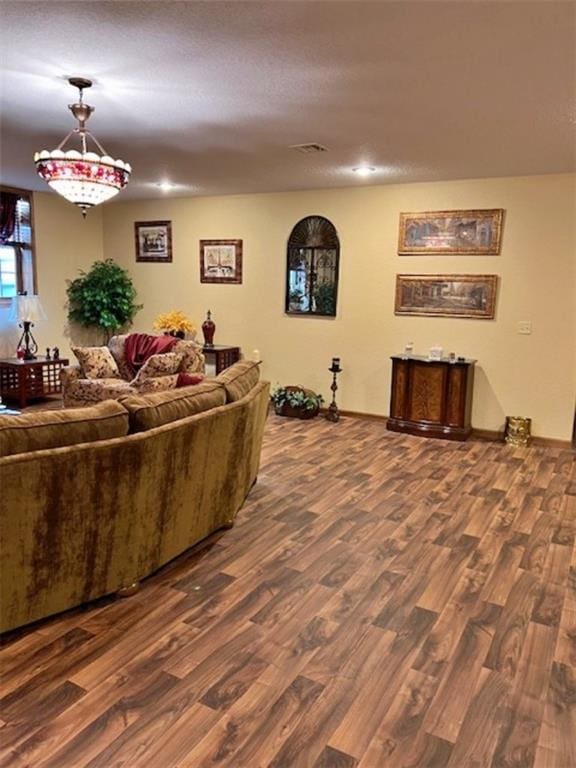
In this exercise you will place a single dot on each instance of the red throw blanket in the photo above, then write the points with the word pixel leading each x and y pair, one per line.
pixel 138 347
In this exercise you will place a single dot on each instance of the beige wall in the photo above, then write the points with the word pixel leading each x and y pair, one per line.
pixel 516 375
pixel 65 243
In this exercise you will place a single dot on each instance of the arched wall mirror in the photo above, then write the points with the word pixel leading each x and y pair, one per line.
pixel 312 265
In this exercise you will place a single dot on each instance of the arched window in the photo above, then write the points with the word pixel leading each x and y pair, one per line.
pixel 312 268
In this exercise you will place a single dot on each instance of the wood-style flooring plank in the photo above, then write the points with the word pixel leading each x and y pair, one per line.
pixel 383 601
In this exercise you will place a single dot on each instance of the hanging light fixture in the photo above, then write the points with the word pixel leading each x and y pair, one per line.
pixel 84 178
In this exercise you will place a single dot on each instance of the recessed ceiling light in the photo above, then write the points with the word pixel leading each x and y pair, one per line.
pixel 166 186
pixel 364 170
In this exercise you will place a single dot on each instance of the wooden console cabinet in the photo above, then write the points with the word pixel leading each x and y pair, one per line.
pixel 432 398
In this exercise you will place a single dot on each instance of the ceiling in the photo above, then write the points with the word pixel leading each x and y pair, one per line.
pixel 211 95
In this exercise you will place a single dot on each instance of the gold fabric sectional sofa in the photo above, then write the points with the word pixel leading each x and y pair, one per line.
pixel 94 499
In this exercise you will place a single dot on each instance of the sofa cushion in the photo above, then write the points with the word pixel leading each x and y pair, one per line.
pixel 97 362
pixel 166 364
pixel 54 429
pixel 155 409
pixel 156 384
pixel 239 379
pixel 95 390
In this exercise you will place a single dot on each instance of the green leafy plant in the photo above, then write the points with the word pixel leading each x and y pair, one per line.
pixel 103 298
pixel 292 401
pixel 325 298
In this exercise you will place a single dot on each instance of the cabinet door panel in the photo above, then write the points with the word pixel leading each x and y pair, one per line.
pixel 456 397
pixel 427 387
pixel 399 390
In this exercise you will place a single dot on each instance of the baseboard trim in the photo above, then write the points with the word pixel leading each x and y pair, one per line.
pixel 480 434
pixel 488 434
pixel 365 416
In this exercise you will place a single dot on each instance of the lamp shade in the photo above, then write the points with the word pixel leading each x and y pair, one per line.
pixel 84 178
pixel 26 309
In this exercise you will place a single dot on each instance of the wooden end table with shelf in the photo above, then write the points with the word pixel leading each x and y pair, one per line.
pixel 224 356
pixel 24 380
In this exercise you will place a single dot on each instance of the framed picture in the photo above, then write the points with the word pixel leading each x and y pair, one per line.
pixel 457 232
pixel 446 295
pixel 153 240
pixel 220 261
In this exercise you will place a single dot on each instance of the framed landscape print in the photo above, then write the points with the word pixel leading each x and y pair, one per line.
pixel 456 232
pixel 153 240
pixel 220 261
pixel 446 295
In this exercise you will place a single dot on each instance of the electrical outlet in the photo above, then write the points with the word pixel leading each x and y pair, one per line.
pixel 524 327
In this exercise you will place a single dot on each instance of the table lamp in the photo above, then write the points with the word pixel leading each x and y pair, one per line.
pixel 27 310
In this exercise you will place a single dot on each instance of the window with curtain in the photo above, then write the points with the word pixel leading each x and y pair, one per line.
pixel 16 243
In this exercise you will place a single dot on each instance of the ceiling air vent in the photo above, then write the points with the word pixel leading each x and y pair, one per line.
pixel 309 149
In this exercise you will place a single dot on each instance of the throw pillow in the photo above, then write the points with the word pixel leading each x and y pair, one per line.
pixel 96 362
pixel 166 364
pixel 192 357
pixel 188 379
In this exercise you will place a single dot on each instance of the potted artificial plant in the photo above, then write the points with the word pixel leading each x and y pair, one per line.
pixel 103 298
pixel 296 402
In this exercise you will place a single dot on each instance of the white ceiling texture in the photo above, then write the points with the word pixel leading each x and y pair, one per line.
pixel 212 95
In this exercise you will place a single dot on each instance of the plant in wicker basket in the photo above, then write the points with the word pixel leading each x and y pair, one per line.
pixel 296 402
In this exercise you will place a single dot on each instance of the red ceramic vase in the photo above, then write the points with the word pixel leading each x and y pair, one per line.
pixel 208 329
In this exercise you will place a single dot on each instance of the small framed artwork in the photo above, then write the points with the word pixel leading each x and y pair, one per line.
pixel 446 295
pixel 221 261
pixel 153 240
pixel 455 232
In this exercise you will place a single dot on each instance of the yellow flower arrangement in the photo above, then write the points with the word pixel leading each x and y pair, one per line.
pixel 174 322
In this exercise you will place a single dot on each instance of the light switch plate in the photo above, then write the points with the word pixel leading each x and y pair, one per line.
pixel 524 327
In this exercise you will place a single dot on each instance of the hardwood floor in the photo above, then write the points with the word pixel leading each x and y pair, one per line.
pixel 384 601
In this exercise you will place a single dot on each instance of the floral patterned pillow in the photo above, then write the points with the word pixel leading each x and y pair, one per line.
pixel 96 362
pixel 159 365
pixel 192 357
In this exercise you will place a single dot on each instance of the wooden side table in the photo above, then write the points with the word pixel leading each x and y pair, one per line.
pixel 24 380
pixel 431 397
pixel 223 356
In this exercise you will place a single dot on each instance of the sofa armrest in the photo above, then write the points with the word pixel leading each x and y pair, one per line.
pixel 70 374
pixel 193 357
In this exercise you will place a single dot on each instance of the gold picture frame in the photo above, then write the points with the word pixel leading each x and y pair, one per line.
pixel 477 232
pixel 471 296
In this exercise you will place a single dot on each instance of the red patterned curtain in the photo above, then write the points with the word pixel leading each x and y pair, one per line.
pixel 8 203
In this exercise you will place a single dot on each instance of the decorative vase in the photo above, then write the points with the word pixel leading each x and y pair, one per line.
pixel 518 431
pixel 208 329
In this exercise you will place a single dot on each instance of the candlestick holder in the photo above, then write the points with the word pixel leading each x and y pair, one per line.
pixel 333 414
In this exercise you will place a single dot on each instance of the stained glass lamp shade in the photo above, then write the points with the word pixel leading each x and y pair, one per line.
pixel 84 178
